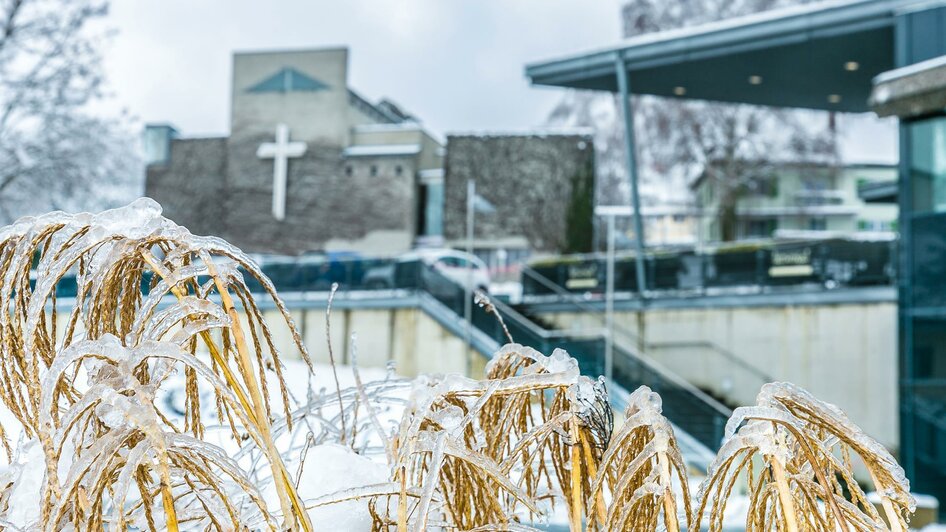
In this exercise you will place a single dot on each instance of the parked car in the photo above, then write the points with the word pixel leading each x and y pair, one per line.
pixel 461 268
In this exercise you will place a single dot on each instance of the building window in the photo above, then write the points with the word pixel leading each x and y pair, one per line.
pixel 766 187
pixel 348 170
pixel 374 170
pixel 433 210
pixel 760 228
pixel 928 165
pixel 398 170
pixel 817 224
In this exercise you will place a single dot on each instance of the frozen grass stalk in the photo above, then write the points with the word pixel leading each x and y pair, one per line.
pixel 154 301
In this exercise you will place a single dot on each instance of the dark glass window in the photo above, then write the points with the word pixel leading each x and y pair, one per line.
pixel 760 228
pixel 928 165
pixel 929 348
pixel 433 209
pixel 929 261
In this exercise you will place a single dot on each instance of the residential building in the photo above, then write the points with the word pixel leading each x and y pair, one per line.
pixel 797 198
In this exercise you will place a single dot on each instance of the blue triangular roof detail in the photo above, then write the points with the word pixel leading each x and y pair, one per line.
pixel 288 80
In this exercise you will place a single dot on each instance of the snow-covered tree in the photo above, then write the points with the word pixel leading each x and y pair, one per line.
pixel 734 146
pixel 54 152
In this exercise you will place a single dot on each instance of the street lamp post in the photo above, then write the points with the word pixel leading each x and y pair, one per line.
pixel 468 288
pixel 610 212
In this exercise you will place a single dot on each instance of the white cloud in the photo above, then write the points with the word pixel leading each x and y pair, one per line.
pixel 457 64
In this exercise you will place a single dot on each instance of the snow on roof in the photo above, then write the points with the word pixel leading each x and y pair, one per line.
pixel 410 125
pixel 714 27
pixel 790 210
pixel 431 173
pixel 549 131
pixel 382 150
pixel 910 70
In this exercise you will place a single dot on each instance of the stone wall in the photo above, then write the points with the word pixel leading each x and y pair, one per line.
pixel 537 183
pixel 190 185
pixel 324 205
pixel 322 202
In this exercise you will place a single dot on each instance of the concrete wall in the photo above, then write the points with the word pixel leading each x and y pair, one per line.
pixel 406 336
pixel 845 354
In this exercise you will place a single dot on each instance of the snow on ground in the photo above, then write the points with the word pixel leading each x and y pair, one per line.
pixel 330 468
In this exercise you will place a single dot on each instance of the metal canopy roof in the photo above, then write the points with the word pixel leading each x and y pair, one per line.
pixel 818 56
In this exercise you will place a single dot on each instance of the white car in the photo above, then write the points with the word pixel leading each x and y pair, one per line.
pixel 462 268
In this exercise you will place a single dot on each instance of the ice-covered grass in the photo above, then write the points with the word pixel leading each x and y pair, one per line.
pixel 160 402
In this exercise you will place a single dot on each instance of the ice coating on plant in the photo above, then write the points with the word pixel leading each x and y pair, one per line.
pixel 797 400
pixel 637 468
pixel 558 362
pixel 23 507
pixel 800 440
pixel 90 389
pixel 157 406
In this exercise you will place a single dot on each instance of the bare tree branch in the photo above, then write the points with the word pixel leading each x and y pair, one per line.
pixel 735 147
pixel 53 151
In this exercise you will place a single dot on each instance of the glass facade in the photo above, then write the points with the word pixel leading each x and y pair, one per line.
pixel 928 164
pixel 921 35
pixel 923 304
pixel 433 209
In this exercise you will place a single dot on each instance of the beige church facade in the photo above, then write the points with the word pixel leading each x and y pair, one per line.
pixel 312 166
pixel 309 164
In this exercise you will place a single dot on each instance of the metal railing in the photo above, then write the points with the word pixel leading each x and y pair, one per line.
pixel 627 338
pixel 690 408
pixel 760 266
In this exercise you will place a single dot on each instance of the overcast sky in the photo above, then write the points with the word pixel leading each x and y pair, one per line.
pixel 455 64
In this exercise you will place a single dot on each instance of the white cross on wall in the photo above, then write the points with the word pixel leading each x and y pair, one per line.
pixel 280 152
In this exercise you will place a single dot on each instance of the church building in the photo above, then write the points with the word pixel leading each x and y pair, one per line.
pixel 309 164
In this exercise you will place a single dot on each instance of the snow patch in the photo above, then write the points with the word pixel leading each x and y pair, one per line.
pixel 330 468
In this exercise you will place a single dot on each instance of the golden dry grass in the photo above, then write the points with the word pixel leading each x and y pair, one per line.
pixel 492 454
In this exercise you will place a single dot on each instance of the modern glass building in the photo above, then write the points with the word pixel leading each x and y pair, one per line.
pixel 826 56
pixel 917 94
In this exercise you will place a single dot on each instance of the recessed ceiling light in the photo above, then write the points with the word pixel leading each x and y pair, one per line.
pixel 834 98
pixel 851 66
pixel 679 91
pixel 755 80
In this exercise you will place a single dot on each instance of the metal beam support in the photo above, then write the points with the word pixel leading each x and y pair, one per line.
pixel 609 306
pixel 629 146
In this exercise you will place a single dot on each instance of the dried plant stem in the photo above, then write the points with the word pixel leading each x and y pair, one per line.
pixel 600 506
pixel 168 499
pixel 576 506
pixel 785 496
pixel 402 502
pixel 819 474
pixel 288 497
pixel 893 518
pixel 331 356
pixel 670 504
